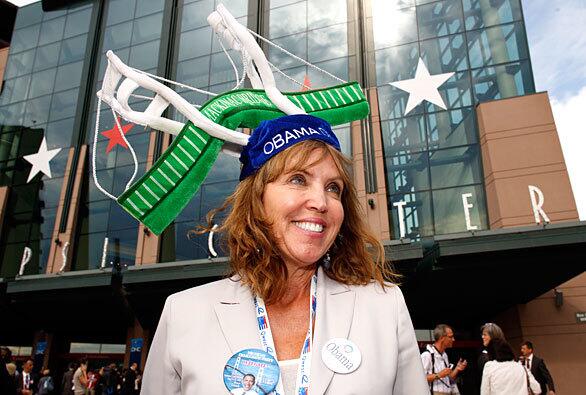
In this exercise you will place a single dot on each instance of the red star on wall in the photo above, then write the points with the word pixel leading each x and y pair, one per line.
pixel 115 136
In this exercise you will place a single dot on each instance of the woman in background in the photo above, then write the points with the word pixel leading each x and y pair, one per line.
pixel 503 375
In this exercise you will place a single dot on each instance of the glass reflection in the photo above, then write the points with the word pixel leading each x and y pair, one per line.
pixel 497 44
pixel 417 214
pixel 503 81
pixel 455 166
pixel 483 13
pixel 448 208
pixel 440 18
pixel 393 25
pixel 404 135
pixel 451 128
pixel 407 173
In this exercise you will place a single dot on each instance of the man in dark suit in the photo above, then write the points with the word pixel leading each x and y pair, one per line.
pixel 538 368
pixel 26 383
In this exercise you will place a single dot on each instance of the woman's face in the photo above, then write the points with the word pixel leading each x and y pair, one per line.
pixel 485 338
pixel 306 212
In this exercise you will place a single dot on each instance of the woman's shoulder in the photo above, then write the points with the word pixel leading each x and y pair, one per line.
pixel 206 293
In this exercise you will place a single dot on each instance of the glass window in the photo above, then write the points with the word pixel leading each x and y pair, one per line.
pixel 188 245
pixel 344 136
pixel 404 135
pixel 47 56
pixel 23 197
pixel 417 215
pixel 191 212
pixel 455 166
pixel 120 11
pixel 89 251
pixel 42 83
pixel 52 30
pixel 77 23
pixel 195 15
pixel 19 64
pixel 221 70
pixel 50 191
pixel 47 222
pixel 296 43
pixel 145 56
pixel 37 111
pixel 106 180
pixel 328 43
pixel 498 44
pixel 28 15
pixel 25 38
pixel 483 13
pixel 73 49
pixel 194 72
pixel 122 246
pixel 396 64
pixel 391 25
pixel 407 173
pixel 455 92
pixel 11 260
pixel 448 209
pixel 451 128
pixel 20 90
pixel 325 13
pixel 146 7
pixel 94 216
pixel 195 43
pixel 120 219
pixel 68 76
pixel 12 115
pixel 117 36
pixel 291 19
pixel 18 227
pixel 213 195
pixel 337 67
pixel 58 134
pixel 445 54
pixel 147 28
pixel 502 81
pixel 440 18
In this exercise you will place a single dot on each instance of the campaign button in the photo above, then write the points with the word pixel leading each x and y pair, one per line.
pixel 251 372
pixel 341 355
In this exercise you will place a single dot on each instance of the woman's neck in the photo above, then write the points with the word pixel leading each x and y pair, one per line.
pixel 298 286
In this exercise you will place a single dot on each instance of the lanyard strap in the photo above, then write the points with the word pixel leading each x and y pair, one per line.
pixel 266 339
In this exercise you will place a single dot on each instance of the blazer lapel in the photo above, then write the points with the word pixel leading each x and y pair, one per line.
pixel 335 310
pixel 237 318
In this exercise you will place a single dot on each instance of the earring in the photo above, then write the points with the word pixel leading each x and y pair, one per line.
pixel 326 261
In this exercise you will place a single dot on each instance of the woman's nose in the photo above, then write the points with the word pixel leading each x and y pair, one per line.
pixel 317 199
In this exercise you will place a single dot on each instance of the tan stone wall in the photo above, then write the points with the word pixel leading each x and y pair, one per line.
pixel 3 60
pixel 520 147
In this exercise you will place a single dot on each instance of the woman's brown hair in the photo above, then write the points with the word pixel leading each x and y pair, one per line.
pixel 254 256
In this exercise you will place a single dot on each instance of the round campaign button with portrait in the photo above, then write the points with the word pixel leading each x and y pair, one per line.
pixel 341 355
pixel 251 372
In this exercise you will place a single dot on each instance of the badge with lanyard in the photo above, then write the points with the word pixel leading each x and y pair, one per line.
pixel 266 339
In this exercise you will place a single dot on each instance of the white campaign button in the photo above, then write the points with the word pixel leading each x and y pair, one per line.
pixel 341 355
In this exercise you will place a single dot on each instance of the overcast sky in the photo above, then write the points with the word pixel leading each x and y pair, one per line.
pixel 557 43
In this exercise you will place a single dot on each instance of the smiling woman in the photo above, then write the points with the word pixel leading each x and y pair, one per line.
pixel 298 242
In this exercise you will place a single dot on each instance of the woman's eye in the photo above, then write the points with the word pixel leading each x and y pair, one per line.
pixel 297 180
pixel 335 188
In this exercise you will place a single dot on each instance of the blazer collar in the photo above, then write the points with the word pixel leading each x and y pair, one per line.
pixel 236 315
pixel 335 311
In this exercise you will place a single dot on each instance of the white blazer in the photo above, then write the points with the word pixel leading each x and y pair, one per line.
pixel 507 378
pixel 202 327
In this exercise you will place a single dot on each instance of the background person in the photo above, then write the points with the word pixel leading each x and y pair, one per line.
pixel 537 367
pixel 295 214
pixel 502 375
pixel 80 379
pixel 26 382
pixel 440 376
pixel 489 331
pixel 67 380
pixel 46 385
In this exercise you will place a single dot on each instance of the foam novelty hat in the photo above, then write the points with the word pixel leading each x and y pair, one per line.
pixel 276 135
pixel 167 187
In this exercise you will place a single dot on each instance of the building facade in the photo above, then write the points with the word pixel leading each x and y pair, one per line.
pixel 436 184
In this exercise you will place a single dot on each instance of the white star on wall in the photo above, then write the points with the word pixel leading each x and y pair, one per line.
pixel 423 87
pixel 40 160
